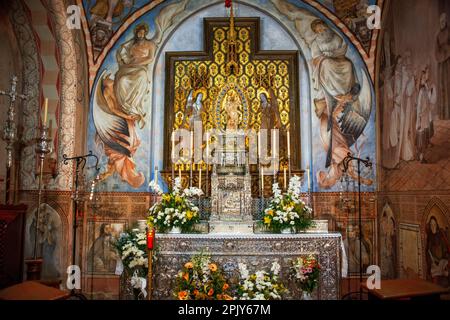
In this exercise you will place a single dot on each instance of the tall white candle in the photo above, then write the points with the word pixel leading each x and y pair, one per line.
pixel 199 176
pixel 259 144
pixel 156 175
pixel 207 148
pixel 284 178
pixel 274 149
pixel 173 146
pixel 192 146
pixel 45 110
pixel 289 143
pixel 309 179
pixel 179 172
pixel 262 180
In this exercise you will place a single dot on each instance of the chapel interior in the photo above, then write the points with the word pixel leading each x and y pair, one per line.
pixel 336 110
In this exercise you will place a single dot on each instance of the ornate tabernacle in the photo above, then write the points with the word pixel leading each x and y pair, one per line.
pixel 257 251
pixel 231 194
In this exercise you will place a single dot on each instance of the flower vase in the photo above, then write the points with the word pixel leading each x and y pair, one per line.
pixel 287 230
pixel 306 296
pixel 175 230
pixel 136 293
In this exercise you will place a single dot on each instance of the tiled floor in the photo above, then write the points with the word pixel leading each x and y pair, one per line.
pixel 433 175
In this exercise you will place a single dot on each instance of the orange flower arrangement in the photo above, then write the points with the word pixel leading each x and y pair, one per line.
pixel 182 295
pixel 201 279
pixel 213 267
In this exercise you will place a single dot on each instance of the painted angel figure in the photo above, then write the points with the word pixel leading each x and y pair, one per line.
pixel 342 102
pixel 119 101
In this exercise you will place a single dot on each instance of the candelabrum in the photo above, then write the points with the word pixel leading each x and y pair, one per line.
pixel 368 164
pixel 80 162
pixel 43 147
pixel 10 131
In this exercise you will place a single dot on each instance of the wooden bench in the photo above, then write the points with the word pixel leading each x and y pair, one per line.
pixel 406 290
pixel 32 290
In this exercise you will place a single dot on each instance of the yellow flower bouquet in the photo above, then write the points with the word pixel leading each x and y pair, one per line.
pixel 175 210
pixel 287 211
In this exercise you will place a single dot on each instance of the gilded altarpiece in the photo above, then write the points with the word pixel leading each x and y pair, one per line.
pixel 272 73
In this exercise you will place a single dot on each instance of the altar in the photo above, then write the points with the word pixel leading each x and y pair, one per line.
pixel 234 231
pixel 258 251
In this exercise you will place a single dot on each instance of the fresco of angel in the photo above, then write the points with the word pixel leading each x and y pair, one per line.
pixel 342 102
pixel 119 101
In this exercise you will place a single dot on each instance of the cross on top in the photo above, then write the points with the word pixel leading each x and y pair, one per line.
pixel 12 94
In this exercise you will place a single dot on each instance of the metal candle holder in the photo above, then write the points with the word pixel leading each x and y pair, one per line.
pixel 43 148
pixel 366 162
pixel 80 164
pixel 10 131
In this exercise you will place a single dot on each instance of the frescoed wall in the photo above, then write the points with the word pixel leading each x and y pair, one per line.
pixel 326 140
pixel 414 100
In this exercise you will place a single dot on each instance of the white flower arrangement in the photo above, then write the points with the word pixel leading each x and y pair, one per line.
pixel 175 209
pixel 155 187
pixel 261 285
pixel 287 210
pixel 132 248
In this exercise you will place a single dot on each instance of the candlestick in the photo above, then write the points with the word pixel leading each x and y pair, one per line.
pixel 207 163
pixel 45 111
pixel 156 175
pixel 274 147
pixel 289 143
pixel 309 179
pixel 199 176
pixel 262 181
pixel 207 148
pixel 192 146
pixel 259 144
pixel 192 159
pixel 284 182
pixel 173 146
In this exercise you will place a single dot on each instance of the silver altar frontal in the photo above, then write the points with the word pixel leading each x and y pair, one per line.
pixel 257 251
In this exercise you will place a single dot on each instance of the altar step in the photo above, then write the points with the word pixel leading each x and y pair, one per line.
pixel 251 227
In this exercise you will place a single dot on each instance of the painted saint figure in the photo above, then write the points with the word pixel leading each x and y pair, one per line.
pixel 102 255
pixel 424 124
pixel 270 115
pixel 443 59
pixel 437 253
pixel 194 108
pixel 336 104
pixel 388 243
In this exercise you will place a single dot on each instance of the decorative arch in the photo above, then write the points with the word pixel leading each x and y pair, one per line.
pixel 61 239
pixel 435 208
pixel 57 71
pixel 435 202
pixel 94 66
